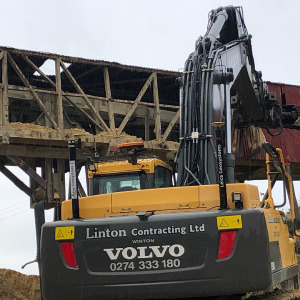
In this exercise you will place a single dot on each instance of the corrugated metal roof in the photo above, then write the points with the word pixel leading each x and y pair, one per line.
pixel 280 84
pixel 72 59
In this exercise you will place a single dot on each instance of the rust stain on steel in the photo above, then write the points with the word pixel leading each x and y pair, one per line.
pixel 289 139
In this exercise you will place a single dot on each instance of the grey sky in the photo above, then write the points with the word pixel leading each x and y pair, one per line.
pixel 156 33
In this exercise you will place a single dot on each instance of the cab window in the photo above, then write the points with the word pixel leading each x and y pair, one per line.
pixel 116 183
pixel 162 177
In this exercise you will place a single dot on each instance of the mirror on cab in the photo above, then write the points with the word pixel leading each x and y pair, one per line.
pixel 297 227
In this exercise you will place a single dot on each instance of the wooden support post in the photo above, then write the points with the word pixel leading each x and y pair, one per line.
pixel 97 104
pixel 170 126
pixel 135 104
pixel 59 179
pixel 49 107
pixel 157 109
pixel 85 98
pixel 33 92
pixel 59 104
pixel 32 183
pixel 147 125
pixel 110 104
pixel 49 180
pixel 4 100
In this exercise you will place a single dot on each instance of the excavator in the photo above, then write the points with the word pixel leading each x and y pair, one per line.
pixel 148 231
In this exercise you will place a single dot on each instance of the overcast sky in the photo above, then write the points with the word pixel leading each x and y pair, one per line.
pixel 157 34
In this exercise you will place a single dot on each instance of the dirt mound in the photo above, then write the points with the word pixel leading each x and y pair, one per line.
pixel 17 286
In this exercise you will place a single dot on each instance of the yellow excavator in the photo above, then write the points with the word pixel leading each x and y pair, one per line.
pixel 143 233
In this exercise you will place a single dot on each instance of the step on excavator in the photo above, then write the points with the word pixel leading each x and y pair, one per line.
pixel 142 235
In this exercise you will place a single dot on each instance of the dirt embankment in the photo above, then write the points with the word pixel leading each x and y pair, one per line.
pixel 17 286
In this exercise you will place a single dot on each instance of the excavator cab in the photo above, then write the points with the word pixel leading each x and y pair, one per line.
pixel 117 174
pixel 130 170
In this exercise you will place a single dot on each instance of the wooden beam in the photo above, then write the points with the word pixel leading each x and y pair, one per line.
pixel 38 193
pixel 120 108
pixel 110 104
pixel 15 180
pixel 34 66
pixel 49 180
pixel 4 100
pixel 135 104
pixel 147 126
pixel 170 126
pixel 83 112
pixel 34 151
pixel 85 98
pixel 68 99
pixel 34 94
pixel 157 109
pixel 84 74
pixel 59 104
pixel 91 97
pixel 57 86
pixel 59 179
pixel 48 102
pixel 136 80
pixel 19 162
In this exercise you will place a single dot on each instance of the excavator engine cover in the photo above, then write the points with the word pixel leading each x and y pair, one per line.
pixel 156 256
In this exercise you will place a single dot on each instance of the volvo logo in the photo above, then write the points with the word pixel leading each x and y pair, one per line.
pixel 129 253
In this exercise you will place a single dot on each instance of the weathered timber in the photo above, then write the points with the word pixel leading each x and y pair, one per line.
pixel 19 162
pixel 41 111
pixel 59 102
pixel 4 99
pixel 122 107
pixel 34 94
pixel 135 104
pixel 59 91
pixel 170 126
pixel 110 104
pixel 157 109
pixel 15 180
pixel 86 99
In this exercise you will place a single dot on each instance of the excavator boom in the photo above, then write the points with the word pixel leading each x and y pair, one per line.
pixel 220 84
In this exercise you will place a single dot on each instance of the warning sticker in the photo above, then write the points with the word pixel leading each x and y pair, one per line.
pixel 229 222
pixel 64 233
